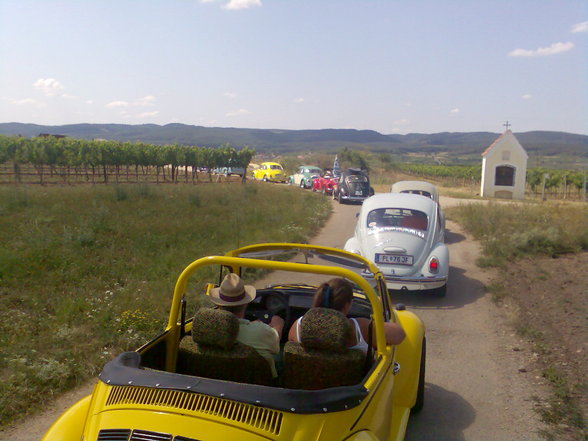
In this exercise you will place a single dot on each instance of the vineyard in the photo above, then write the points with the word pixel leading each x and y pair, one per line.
pixel 555 183
pixel 48 159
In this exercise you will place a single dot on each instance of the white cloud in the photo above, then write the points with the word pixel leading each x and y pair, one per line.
pixel 555 48
pixel 235 5
pixel 116 104
pixel 25 102
pixel 401 122
pixel 527 96
pixel 580 27
pixel 49 86
pixel 299 100
pixel 230 95
pixel 145 101
pixel 148 114
pixel 238 112
pixel 454 111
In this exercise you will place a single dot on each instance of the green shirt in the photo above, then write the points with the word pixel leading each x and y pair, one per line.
pixel 263 338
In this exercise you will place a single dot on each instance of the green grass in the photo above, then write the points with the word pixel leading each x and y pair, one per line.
pixel 88 271
pixel 508 231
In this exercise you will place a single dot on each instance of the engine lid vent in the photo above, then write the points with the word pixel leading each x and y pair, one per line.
pixel 260 418
pixel 114 435
pixel 144 435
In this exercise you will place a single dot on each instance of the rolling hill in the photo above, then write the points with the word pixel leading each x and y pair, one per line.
pixel 460 144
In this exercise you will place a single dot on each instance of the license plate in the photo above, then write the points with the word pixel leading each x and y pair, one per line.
pixel 394 259
pixel 358 193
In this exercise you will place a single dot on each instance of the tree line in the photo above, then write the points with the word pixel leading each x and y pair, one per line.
pixel 96 159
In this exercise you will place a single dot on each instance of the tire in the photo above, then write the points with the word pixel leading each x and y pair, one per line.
pixel 302 184
pixel 440 292
pixel 265 179
pixel 420 397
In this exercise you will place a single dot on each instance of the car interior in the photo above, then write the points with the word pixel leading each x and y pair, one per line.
pixel 210 348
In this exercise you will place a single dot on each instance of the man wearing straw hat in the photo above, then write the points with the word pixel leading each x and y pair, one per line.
pixel 234 296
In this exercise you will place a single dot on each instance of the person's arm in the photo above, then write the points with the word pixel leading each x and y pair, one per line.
pixel 277 323
pixel 394 333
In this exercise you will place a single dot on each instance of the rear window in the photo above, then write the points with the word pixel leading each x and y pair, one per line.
pixel 421 192
pixel 276 167
pixel 356 178
pixel 397 217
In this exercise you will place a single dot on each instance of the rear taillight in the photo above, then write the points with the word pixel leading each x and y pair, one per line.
pixel 434 265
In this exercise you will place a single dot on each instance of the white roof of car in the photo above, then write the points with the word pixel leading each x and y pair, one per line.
pixel 399 200
pixel 401 186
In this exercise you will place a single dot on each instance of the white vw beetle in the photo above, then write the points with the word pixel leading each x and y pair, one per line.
pixel 419 187
pixel 403 235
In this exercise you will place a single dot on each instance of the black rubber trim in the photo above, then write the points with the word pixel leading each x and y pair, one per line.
pixel 125 370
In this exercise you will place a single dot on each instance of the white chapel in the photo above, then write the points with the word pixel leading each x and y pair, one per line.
pixel 504 168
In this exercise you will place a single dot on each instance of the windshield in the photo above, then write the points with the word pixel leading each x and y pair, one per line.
pixel 276 167
pixel 315 170
pixel 397 217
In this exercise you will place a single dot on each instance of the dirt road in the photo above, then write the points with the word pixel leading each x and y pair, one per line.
pixel 476 385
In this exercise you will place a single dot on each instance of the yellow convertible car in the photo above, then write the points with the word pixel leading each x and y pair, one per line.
pixel 183 387
pixel 270 172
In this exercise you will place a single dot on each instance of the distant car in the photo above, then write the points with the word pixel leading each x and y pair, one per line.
pixel 353 186
pixel 270 172
pixel 419 187
pixel 227 171
pixel 305 175
pixel 403 235
pixel 325 183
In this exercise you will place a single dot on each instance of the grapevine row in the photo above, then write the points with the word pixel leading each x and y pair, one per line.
pixel 98 156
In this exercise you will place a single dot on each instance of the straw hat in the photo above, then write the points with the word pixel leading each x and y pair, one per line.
pixel 232 292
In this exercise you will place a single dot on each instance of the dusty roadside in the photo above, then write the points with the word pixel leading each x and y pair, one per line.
pixel 546 300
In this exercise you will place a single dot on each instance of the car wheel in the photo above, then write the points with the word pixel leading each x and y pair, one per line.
pixel 420 397
pixel 302 184
pixel 265 179
pixel 440 292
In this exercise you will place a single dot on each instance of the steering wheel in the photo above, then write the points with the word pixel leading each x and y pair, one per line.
pixel 270 303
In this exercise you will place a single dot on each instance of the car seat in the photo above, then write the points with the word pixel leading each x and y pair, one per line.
pixel 322 358
pixel 214 351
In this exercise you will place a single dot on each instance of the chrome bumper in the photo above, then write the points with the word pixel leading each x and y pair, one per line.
pixel 411 283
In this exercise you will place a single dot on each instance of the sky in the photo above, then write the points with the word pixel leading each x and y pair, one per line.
pixel 394 66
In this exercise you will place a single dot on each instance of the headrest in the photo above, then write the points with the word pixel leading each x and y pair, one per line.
pixel 325 329
pixel 215 327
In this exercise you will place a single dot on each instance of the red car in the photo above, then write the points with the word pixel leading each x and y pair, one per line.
pixel 325 183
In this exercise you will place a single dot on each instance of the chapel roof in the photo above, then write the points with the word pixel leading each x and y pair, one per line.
pixel 500 139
